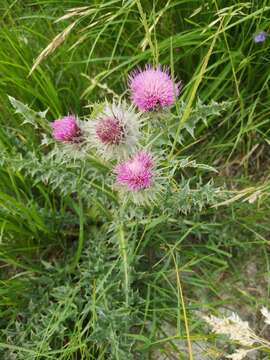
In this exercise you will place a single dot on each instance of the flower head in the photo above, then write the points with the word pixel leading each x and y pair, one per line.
pixel 135 174
pixel 153 88
pixel 65 129
pixel 260 37
pixel 115 131
pixel 109 130
pixel 136 177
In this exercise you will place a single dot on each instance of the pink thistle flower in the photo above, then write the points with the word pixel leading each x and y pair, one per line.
pixel 109 131
pixel 136 173
pixel 145 158
pixel 65 129
pixel 114 134
pixel 153 88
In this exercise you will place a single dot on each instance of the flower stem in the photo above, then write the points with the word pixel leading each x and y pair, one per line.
pixel 181 296
pixel 79 210
pixel 123 251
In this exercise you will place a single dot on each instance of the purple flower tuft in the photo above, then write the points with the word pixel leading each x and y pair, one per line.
pixel 136 173
pixel 152 88
pixel 145 158
pixel 114 134
pixel 65 129
pixel 260 37
pixel 109 131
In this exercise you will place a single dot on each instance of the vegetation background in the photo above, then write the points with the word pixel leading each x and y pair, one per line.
pixel 56 303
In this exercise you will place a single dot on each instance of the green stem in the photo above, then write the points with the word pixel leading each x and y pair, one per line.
pixel 198 80
pixel 79 210
pixel 123 251
pixel 147 31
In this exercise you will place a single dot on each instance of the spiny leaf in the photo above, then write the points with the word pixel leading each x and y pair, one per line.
pixel 30 116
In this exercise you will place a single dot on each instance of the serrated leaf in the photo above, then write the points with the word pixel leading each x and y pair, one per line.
pixel 183 163
pixel 30 116
pixel 201 112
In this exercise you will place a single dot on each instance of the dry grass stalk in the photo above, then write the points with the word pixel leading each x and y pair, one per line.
pixel 239 331
pixel 266 314
pixel 81 11
pixel 58 40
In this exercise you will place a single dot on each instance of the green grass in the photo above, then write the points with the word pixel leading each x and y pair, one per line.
pixel 77 282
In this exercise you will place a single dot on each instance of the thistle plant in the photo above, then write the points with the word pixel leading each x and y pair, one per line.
pixel 120 134
pixel 115 161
